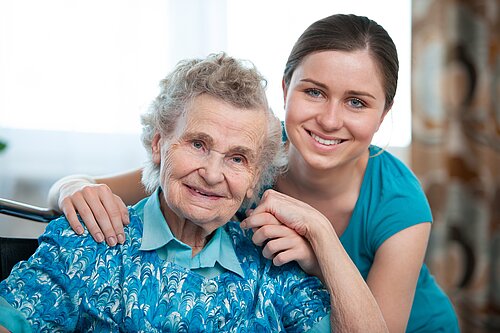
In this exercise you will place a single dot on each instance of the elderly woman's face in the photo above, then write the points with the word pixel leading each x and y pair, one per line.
pixel 212 163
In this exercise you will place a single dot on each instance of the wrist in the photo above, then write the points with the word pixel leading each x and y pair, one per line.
pixel 325 244
pixel 65 186
pixel 320 230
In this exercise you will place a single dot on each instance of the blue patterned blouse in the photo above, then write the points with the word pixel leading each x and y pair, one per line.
pixel 73 284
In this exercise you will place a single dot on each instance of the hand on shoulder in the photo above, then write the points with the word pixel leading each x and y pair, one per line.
pixel 102 212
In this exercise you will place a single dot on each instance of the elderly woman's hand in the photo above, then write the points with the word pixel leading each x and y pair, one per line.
pixel 103 212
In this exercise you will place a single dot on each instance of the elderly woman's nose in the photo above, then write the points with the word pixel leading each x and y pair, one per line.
pixel 212 169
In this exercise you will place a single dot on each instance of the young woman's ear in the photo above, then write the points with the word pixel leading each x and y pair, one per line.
pixel 156 148
pixel 386 111
pixel 285 91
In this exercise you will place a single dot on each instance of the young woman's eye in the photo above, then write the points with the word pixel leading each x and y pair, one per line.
pixel 356 103
pixel 313 92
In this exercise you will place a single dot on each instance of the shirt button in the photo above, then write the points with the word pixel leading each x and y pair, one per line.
pixel 211 287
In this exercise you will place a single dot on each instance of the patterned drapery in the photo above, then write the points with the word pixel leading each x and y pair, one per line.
pixel 456 149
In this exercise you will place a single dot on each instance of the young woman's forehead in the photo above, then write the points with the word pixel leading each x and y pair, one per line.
pixel 339 67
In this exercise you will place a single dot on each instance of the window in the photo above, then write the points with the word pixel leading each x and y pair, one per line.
pixel 265 32
pixel 76 75
pixel 88 66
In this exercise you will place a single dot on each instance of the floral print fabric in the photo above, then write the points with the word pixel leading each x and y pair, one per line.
pixel 73 283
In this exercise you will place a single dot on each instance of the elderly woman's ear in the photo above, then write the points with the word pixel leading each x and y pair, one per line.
pixel 251 190
pixel 156 148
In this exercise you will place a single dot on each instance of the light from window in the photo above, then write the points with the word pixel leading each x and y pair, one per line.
pixel 265 31
pixel 89 66
pixel 94 66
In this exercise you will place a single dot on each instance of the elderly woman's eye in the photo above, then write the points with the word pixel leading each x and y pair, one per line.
pixel 238 159
pixel 197 145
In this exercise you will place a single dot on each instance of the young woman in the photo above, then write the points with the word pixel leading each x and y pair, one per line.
pixel 345 210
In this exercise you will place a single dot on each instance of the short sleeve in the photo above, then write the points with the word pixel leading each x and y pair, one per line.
pixel 402 205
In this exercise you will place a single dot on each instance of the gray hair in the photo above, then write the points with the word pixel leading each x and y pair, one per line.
pixel 233 81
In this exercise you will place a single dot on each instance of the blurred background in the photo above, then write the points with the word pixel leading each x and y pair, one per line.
pixel 75 76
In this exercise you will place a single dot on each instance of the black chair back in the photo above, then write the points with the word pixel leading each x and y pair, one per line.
pixel 13 250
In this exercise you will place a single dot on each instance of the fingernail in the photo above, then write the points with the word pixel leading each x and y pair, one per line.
pixel 111 241
pixel 126 221
pixel 79 230
pixel 243 225
pixel 121 238
pixel 99 237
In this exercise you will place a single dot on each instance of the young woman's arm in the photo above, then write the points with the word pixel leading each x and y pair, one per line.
pixel 392 279
pixel 394 273
pixel 353 306
pixel 100 202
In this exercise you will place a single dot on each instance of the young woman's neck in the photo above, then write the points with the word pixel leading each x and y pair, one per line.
pixel 303 181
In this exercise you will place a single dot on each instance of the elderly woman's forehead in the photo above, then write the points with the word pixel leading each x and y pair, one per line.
pixel 206 106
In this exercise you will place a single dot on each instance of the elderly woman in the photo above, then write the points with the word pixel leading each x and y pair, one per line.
pixel 213 144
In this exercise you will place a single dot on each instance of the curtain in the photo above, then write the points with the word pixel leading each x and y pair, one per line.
pixel 455 149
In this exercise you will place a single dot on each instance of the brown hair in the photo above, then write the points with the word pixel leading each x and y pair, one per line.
pixel 349 33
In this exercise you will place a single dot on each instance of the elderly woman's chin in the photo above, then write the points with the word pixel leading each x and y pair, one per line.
pixel 200 208
pixel 203 215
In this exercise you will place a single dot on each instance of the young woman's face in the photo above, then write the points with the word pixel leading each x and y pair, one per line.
pixel 334 105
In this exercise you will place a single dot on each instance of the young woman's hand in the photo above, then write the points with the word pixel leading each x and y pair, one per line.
pixel 282 244
pixel 102 212
pixel 281 225
pixel 293 213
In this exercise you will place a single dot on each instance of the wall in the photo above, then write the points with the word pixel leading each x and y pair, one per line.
pixel 34 159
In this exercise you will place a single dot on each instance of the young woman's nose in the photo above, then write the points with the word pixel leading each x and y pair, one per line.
pixel 331 117
pixel 212 169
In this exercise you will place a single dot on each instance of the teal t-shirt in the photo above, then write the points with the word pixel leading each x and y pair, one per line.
pixel 390 200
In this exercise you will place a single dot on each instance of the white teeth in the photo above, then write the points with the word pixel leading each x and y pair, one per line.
pixel 325 142
pixel 200 192
pixel 207 194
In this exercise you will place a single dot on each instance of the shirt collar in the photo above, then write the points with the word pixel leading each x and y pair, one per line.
pixel 157 234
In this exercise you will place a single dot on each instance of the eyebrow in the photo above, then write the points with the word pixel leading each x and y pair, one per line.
pixel 350 92
pixel 198 136
pixel 241 150
pixel 319 84
pixel 360 93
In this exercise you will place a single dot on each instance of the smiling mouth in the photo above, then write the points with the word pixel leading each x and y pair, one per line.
pixel 204 193
pixel 325 141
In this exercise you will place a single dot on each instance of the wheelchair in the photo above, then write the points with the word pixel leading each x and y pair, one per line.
pixel 13 250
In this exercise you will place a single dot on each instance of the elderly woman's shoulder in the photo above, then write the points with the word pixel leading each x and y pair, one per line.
pixel 251 254
pixel 59 231
pixel 237 234
pixel 242 240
